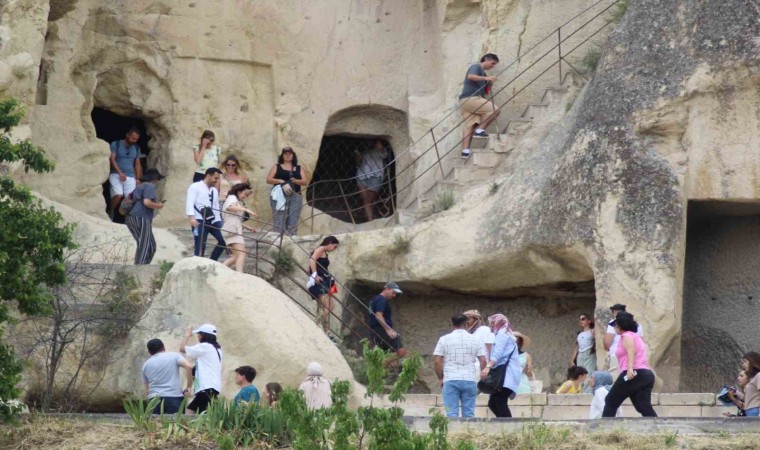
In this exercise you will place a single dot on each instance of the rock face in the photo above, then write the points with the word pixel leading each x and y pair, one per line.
pixel 257 325
pixel 262 75
pixel 604 196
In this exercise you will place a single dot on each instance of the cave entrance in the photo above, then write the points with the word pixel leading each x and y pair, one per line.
pixel 721 292
pixel 334 188
pixel 110 127
pixel 547 314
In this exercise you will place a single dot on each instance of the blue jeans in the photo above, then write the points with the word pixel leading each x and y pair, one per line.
pixel 215 230
pixel 752 412
pixel 457 391
pixel 171 405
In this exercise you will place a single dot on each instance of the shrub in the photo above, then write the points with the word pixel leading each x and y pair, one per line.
pixel 283 259
pixel 591 59
pixel 158 281
pixel 444 201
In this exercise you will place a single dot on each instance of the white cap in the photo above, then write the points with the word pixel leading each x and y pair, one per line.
pixel 206 328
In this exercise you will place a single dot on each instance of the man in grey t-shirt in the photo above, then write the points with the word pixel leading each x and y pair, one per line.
pixel 478 111
pixel 160 374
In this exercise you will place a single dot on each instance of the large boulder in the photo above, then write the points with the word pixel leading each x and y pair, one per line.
pixel 257 325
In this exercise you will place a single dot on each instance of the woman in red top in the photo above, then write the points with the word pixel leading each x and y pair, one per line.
pixel 636 379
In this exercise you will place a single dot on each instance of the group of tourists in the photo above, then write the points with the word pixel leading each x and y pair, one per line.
pixel 161 376
pixel 465 358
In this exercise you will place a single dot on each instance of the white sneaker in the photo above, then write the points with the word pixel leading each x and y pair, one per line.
pixel 466 153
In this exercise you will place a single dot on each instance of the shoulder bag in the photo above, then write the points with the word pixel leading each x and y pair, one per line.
pixel 494 382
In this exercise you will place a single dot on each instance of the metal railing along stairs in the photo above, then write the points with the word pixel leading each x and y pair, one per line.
pixel 538 58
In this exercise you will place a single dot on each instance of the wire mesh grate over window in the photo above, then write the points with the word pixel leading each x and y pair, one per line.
pixel 354 180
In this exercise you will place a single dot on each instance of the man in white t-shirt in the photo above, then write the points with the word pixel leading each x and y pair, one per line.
pixel 453 358
pixel 483 332
pixel 611 339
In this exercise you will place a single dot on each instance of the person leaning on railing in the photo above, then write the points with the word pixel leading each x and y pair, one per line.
pixel 288 178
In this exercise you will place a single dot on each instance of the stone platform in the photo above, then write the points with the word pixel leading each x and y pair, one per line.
pixel 573 406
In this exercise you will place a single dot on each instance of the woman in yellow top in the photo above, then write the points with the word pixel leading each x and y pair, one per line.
pixel 574 385
pixel 206 155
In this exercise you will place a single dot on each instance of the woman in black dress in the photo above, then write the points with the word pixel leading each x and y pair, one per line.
pixel 321 282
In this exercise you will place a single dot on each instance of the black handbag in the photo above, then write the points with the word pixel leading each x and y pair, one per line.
pixel 494 382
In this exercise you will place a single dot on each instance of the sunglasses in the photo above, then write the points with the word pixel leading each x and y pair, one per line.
pixel 231 165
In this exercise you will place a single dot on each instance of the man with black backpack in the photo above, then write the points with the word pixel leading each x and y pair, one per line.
pixel 202 207
pixel 139 207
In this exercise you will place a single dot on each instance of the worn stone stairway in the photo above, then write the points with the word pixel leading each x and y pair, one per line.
pixel 488 153
pixel 263 269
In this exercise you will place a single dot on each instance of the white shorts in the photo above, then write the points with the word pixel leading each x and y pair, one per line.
pixel 119 187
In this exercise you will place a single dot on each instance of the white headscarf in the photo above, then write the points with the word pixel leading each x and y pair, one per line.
pixel 316 388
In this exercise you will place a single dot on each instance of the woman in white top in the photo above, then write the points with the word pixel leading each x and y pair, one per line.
pixel 600 382
pixel 526 362
pixel 481 331
pixel 208 366
pixel 584 354
pixel 233 215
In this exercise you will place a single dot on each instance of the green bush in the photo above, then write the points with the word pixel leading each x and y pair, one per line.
pixel 123 305
pixel 158 281
pixel 591 59
pixel 283 259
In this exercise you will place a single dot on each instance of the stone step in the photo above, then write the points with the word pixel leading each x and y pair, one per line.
pixel 469 174
pixel 572 407
pixel 517 127
pixel 533 111
pixel 478 142
pixel 554 94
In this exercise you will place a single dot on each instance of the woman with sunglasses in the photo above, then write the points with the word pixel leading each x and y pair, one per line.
pixel 232 174
pixel 584 354
pixel 290 177
pixel 206 155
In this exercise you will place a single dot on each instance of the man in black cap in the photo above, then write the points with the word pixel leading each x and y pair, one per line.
pixel 611 339
pixel 381 323
pixel 139 219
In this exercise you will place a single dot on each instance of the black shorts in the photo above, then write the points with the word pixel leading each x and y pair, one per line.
pixel 202 399
pixel 320 289
pixel 381 339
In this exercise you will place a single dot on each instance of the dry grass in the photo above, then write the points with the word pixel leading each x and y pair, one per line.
pixel 543 436
pixel 80 434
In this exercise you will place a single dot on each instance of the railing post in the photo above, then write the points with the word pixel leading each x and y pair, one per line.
pixel 313 205
pixel 437 154
pixel 348 208
pixel 559 49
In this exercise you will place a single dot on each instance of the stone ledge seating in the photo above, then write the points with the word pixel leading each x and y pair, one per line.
pixel 572 406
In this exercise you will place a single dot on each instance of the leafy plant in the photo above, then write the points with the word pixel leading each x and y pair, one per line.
pixel 32 261
pixel 400 246
pixel 158 281
pixel 141 412
pixel 493 187
pixel 619 11
pixel 671 439
pixel 123 305
pixel 283 259
pixel 444 201
pixel 591 59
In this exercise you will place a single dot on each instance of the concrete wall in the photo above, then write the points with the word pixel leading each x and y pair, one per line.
pixel 721 298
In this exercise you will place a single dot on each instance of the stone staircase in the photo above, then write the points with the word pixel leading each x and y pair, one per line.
pixel 571 406
pixel 490 152
pixel 263 269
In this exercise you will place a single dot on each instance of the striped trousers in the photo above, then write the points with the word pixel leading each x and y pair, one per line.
pixel 287 220
pixel 142 230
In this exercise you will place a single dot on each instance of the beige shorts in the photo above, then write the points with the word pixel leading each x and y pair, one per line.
pixel 475 110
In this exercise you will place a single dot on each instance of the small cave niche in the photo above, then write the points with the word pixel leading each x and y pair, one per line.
pixel 547 314
pixel 334 188
pixel 721 289
pixel 111 127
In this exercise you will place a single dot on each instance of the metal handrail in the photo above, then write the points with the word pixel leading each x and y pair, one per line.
pixel 438 161
pixel 277 242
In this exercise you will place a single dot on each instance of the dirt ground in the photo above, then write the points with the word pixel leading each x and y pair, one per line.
pixel 80 434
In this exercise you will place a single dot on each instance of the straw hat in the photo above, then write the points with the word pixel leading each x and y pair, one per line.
pixel 526 339
pixel 473 313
